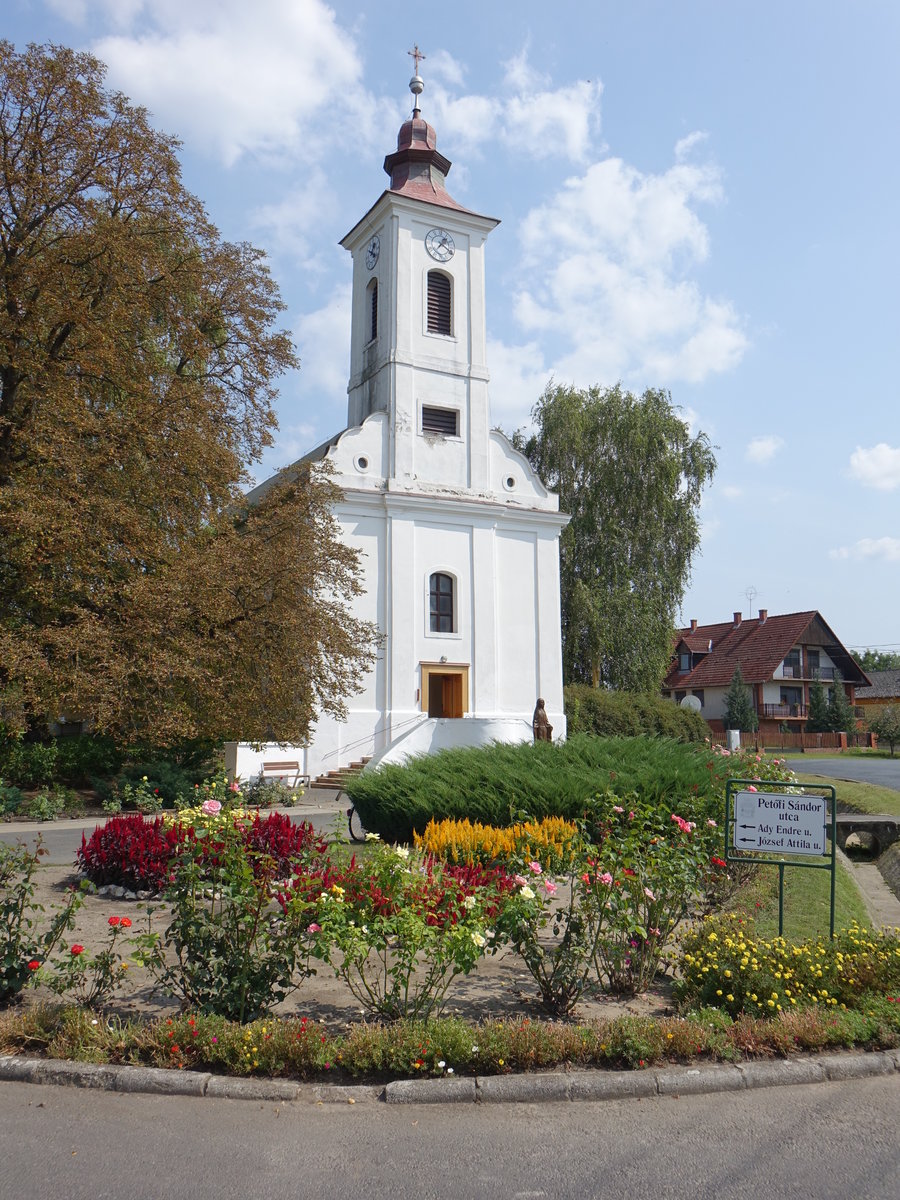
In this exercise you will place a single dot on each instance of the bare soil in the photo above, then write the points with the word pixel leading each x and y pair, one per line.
pixel 500 986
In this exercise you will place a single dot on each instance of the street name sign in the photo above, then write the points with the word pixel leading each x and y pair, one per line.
pixel 777 822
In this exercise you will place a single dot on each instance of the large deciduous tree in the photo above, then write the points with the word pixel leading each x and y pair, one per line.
pixel 630 473
pixel 886 725
pixel 878 660
pixel 138 358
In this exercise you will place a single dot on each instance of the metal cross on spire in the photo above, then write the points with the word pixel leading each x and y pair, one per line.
pixel 417 55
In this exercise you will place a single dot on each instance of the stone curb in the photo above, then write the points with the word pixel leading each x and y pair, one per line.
pixel 551 1087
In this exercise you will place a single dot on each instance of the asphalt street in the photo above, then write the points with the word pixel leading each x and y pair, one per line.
pixel 828 1141
pixel 885 772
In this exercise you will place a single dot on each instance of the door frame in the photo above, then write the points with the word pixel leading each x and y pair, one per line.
pixel 429 669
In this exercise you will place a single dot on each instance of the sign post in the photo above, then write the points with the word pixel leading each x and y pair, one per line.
pixel 786 822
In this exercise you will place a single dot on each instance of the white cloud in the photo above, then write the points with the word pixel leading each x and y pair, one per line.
pixel 608 282
pixel 877 467
pixel 237 77
pixel 763 449
pixel 518 376
pixel 731 492
pixel 885 548
pixel 442 65
pixel 292 223
pixel 528 115
pixel 686 145
pixel 323 339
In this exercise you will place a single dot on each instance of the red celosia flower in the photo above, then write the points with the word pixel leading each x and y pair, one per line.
pixel 76 949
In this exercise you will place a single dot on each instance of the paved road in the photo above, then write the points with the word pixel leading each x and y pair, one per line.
pixel 828 1141
pixel 885 772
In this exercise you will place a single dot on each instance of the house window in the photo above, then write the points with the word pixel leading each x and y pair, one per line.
pixel 440 591
pixel 792 665
pixel 685 661
pixel 679 696
pixel 699 694
pixel 791 695
pixel 444 421
pixel 812 659
pixel 373 310
pixel 439 295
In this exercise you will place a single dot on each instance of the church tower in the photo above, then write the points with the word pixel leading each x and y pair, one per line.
pixel 458 539
pixel 418 329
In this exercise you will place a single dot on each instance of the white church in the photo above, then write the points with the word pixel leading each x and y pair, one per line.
pixel 458 538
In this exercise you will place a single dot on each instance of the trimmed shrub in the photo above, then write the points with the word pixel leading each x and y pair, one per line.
pixel 501 784
pixel 629 714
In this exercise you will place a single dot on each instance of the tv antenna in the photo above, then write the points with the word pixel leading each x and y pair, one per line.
pixel 751 593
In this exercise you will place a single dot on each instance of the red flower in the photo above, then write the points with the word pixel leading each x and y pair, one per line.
pixel 718 862
pixel 113 921
pixel 33 965
pixel 628 871
pixel 76 950
pixel 125 922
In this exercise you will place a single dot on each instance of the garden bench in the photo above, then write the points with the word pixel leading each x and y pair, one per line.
pixel 287 770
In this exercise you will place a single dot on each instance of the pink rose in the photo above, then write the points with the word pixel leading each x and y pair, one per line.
pixel 605 878
pixel 535 867
pixel 210 807
pixel 313 928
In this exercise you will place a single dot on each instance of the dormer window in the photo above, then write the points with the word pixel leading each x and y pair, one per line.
pixel 439 306
pixel 684 661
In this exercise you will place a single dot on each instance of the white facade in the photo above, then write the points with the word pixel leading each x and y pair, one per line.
pixel 457 502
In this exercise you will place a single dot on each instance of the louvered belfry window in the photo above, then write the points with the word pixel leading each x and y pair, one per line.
pixel 441 598
pixel 373 310
pixel 438 303
pixel 444 421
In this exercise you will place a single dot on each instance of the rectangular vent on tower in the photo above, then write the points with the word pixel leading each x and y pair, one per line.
pixel 444 421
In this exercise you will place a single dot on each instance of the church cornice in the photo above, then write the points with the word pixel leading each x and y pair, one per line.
pixel 415 206
pixel 445 506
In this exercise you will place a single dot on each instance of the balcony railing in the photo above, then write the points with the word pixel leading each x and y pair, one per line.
pixel 783 712
pixel 826 674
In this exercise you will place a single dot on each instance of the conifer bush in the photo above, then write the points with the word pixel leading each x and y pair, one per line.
pixel 502 784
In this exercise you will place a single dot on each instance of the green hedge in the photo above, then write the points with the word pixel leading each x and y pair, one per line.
pixel 497 784
pixel 629 714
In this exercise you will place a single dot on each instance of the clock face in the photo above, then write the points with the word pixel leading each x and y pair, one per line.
pixel 372 251
pixel 439 244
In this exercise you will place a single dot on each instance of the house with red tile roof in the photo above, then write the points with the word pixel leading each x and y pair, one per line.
pixel 779 656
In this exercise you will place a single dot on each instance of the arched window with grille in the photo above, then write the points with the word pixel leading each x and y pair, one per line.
pixel 441 614
pixel 373 309
pixel 439 303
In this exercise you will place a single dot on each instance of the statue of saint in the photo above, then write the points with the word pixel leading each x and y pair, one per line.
pixel 541 727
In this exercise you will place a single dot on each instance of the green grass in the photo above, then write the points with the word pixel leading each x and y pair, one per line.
pixel 806 902
pixel 864 797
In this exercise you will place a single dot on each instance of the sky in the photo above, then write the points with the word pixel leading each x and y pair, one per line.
pixel 694 195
